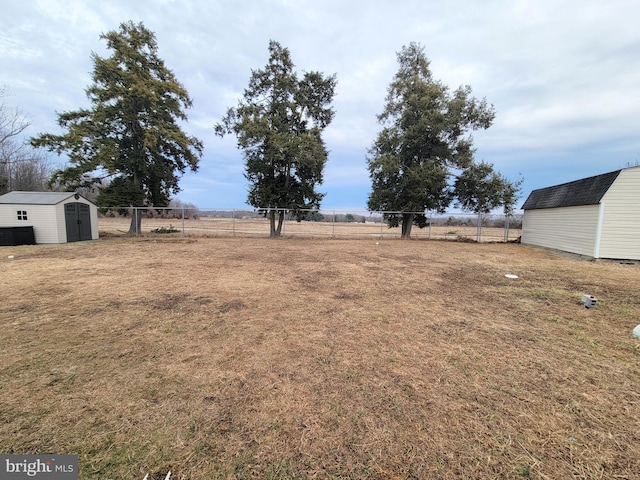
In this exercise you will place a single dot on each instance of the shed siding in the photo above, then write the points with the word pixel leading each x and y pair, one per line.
pixel 48 221
pixel 95 235
pixel 40 217
pixel 571 229
pixel 44 223
pixel 620 235
pixel 61 225
pixel 8 216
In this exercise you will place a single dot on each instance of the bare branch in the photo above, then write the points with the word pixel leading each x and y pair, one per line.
pixel 12 121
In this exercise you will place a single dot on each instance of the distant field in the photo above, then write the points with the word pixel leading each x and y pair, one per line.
pixel 260 227
pixel 218 358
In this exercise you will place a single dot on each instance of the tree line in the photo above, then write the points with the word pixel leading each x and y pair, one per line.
pixel 130 149
pixel 21 167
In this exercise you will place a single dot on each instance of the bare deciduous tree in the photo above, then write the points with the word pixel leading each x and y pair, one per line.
pixel 21 167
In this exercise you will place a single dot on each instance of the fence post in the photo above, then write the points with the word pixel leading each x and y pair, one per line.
pixel 479 229
pixel 333 224
pixel 183 221
pixel 233 222
pixel 506 228
pixel 381 221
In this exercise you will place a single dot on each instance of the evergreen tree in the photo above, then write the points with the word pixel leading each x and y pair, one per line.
pixel 131 133
pixel 480 189
pixel 278 125
pixel 425 136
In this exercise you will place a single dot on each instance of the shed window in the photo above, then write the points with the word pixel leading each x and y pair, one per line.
pixel 22 214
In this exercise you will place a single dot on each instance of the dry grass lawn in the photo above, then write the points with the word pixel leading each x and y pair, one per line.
pixel 302 358
pixel 260 227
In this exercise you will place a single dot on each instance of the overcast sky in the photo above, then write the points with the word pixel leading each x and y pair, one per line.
pixel 563 76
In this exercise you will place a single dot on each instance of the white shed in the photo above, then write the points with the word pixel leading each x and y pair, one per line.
pixel 598 217
pixel 56 217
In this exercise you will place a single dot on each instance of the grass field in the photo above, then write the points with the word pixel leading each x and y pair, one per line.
pixel 226 227
pixel 304 358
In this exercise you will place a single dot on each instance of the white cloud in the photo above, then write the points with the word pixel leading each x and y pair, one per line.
pixel 562 75
pixel 346 174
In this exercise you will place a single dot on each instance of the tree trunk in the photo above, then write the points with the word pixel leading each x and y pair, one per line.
pixel 136 218
pixel 407 223
pixel 275 231
pixel 136 222
pixel 280 222
pixel 272 223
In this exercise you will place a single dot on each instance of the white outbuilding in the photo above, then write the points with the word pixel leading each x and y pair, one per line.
pixel 598 217
pixel 46 217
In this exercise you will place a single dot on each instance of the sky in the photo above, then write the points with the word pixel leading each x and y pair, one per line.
pixel 562 75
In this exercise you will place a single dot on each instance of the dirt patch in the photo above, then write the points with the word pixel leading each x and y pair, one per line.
pixel 231 306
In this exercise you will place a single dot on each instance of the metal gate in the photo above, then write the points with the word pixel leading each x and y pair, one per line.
pixel 78 221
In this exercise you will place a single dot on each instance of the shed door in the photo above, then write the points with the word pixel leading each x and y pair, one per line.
pixel 78 221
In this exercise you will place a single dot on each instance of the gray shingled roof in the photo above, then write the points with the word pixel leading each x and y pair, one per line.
pixel 588 191
pixel 35 198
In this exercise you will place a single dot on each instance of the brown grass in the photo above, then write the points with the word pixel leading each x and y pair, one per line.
pixel 227 227
pixel 300 358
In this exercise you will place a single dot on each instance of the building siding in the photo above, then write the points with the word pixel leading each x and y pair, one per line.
pixel 61 225
pixel 48 221
pixel 571 229
pixel 41 217
pixel 95 234
pixel 620 233
pixel 8 216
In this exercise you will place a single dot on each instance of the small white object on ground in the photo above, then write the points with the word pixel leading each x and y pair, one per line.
pixel 10 256
pixel 636 332
pixel 589 301
pixel 511 275
pixel 146 477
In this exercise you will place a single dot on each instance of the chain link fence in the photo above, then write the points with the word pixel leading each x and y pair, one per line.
pixel 192 221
